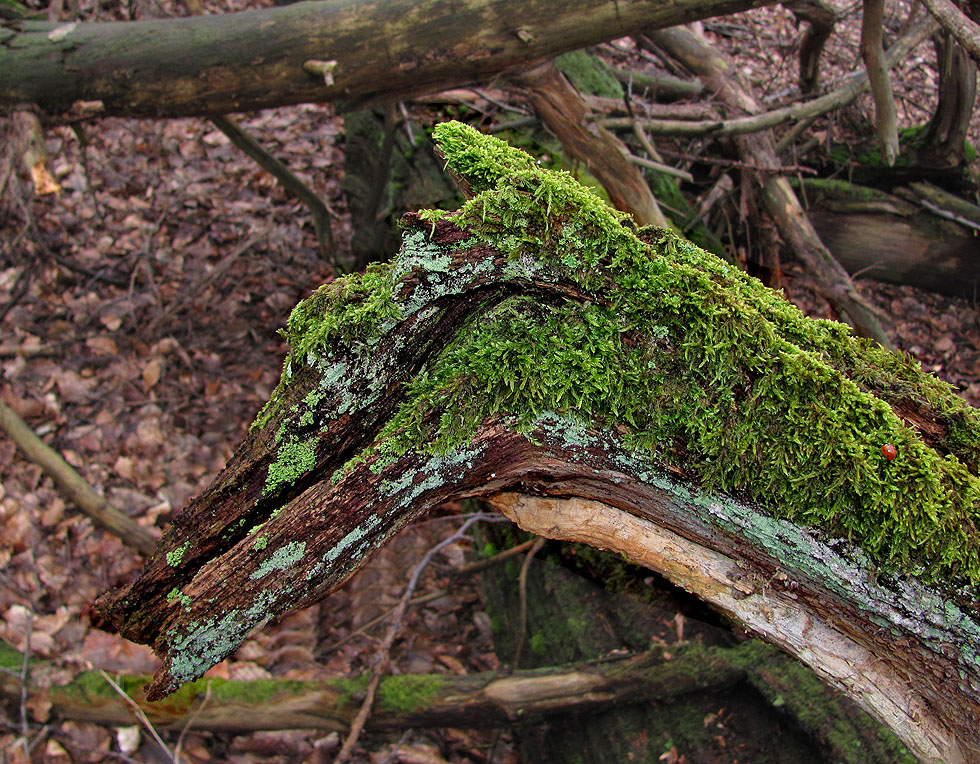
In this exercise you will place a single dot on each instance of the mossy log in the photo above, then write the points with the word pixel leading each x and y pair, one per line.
pixel 614 384
pixel 354 51
pixel 478 701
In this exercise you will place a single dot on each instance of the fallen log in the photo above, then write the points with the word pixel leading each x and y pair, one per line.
pixel 479 701
pixel 355 51
pixel 821 490
pixel 898 240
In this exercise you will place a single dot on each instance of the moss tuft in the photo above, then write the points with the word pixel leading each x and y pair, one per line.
pixel 403 694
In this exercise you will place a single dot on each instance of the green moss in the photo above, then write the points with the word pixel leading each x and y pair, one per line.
pixel 402 694
pixel 539 644
pixel 9 657
pixel 174 556
pixel 589 74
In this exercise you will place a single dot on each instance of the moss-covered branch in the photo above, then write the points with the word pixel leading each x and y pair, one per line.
pixel 476 701
pixel 536 341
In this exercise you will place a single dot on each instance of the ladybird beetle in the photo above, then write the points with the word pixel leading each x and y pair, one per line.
pixel 889 451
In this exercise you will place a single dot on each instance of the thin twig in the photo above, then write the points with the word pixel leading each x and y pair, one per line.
pixel 857 83
pixel 139 715
pixel 522 590
pixel 382 656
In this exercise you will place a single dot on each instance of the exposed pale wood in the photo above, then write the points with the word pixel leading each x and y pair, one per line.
pixel 479 701
pixel 316 487
pixel 767 609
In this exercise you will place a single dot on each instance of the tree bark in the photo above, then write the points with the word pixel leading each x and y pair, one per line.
pixel 535 343
pixel 353 51
pixel 897 240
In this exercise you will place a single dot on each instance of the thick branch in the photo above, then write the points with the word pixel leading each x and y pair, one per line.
pixel 957 23
pixel 872 52
pixel 354 51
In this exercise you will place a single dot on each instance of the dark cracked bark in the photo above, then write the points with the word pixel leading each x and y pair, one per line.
pixel 534 351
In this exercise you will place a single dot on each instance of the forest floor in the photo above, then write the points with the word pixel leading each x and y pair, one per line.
pixel 140 307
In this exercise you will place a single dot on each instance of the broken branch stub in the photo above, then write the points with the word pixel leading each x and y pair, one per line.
pixel 535 342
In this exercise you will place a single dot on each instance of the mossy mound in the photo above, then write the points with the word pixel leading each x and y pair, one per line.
pixel 693 363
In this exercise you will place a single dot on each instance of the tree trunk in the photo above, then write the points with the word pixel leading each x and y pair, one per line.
pixel 353 51
pixel 535 343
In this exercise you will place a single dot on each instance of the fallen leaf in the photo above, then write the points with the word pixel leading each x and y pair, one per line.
pixel 151 373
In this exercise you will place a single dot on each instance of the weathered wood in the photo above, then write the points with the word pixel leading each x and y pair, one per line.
pixel 594 603
pixel 353 51
pixel 890 239
pixel 536 343
pixel 479 701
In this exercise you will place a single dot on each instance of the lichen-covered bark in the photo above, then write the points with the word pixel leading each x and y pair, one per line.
pixel 535 342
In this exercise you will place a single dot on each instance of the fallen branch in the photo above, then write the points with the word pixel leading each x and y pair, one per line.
pixel 957 23
pixel 536 342
pixel 73 485
pixel 318 209
pixel 484 700
pixel 857 83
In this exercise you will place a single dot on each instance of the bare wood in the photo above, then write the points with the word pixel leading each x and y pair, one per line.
pixel 781 617
pixel 73 485
pixel 383 50
pixel 881 89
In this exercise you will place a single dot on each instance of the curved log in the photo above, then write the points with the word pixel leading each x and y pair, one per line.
pixel 535 343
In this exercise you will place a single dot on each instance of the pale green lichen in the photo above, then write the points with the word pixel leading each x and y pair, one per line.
pixel 281 559
pixel 294 458
pixel 174 556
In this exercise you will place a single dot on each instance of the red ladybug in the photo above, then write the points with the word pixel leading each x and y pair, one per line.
pixel 889 451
